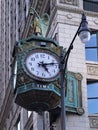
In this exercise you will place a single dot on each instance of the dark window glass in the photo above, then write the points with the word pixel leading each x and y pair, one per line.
pixel 90 5
pixel 91 48
pixel 92 91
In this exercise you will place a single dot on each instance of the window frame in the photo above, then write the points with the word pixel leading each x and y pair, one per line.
pixel 93 98
pixel 93 47
pixel 90 8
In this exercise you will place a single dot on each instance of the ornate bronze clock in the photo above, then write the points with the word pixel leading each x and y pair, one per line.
pixel 37 74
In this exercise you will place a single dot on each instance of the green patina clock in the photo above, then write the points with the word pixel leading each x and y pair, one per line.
pixel 36 77
pixel 37 68
pixel 41 65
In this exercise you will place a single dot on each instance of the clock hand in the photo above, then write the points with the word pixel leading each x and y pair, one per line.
pixel 44 66
pixel 47 63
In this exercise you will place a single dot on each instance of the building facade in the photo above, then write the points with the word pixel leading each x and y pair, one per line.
pixel 65 17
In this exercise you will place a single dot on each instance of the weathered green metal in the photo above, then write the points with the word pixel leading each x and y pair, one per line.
pixel 27 88
pixel 73 99
pixel 29 93
pixel 39 38
pixel 37 97
pixel 74 95
pixel 40 24
pixel 71 94
pixel 35 86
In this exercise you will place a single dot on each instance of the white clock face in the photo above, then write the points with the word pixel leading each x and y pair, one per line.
pixel 42 65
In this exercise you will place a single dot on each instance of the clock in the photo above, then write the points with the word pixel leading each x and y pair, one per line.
pixel 42 65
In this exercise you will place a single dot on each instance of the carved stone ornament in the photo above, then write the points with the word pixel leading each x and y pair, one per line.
pixel 96 21
pixel 92 70
pixel 71 2
pixel 69 16
pixel 78 76
pixel 93 122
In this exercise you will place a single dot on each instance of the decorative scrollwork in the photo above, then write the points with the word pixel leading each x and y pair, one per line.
pixel 80 110
pixel 78 76
pixel 71 2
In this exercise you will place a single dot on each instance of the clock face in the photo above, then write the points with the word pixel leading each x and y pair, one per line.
pixel 42 65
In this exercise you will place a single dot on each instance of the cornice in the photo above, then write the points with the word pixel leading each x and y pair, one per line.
pixel 70 9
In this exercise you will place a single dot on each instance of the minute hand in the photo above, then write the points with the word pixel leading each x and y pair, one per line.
pixel 49 63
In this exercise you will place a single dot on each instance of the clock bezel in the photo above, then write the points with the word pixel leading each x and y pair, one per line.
pixel 35 78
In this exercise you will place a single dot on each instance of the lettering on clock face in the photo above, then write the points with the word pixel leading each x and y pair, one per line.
pixel 42 65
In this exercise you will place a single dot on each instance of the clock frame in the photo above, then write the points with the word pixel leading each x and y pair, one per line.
pixel 44 77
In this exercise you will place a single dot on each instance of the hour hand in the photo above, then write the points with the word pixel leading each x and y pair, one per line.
pixel 43 65
pixel 46 68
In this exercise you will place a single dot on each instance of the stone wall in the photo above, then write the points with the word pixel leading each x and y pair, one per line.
pixel 65 23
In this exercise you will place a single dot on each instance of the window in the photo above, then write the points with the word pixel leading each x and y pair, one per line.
pixel 92 91
pixel 92 48
pixel 90 5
